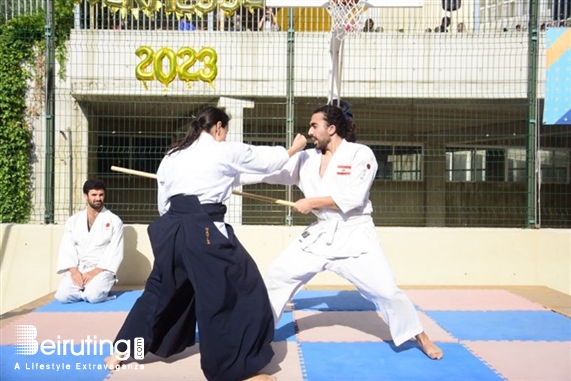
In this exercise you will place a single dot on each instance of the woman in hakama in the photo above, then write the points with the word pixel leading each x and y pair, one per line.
pixel 201 273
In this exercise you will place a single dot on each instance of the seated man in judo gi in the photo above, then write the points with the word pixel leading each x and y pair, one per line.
pixel 91 250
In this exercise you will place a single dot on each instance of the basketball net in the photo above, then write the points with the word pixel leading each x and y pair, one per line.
pixel 347 18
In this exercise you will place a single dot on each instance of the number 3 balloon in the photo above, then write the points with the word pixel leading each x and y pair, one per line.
pixel 202 7
pixel 229 7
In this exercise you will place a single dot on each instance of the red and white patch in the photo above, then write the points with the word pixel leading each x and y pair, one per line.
pixel 343 169
pixel 107 225
pixel 368 166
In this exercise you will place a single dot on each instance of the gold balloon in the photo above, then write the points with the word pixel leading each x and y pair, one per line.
pixel 170 6
pixel 182 7
pixel 229 7
pixel 202 7
pixel 209 72
pixel 253 4
pixel 114 3
pixel 184 73
pixel 149 6
pixel 170 75
pixel 140 71
pixel 124 6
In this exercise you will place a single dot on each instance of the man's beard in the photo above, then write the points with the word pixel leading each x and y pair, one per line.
pixel 96 205
pixel 320 145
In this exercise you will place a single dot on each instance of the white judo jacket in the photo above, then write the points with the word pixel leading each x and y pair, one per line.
pixel 208 169
pixel 347 179
pixel 102 246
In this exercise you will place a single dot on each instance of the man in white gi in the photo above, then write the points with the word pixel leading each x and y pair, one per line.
pixel 91 250
pixel 336 179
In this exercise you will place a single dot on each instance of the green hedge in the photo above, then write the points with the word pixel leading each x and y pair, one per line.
pixel 20 38
pixel 17 40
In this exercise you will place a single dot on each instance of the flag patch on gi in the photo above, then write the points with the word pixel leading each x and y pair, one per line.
pixel 343 169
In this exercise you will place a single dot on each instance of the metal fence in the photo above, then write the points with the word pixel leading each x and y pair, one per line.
pixel 11 8
pixel 481 16
pixel 449 115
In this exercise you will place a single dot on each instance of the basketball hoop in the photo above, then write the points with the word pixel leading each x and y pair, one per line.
pixel 346 17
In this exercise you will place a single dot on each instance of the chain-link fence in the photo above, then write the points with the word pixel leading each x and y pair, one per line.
pixel 451 102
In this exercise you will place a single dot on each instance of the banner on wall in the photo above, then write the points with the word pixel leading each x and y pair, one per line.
pixel 557 108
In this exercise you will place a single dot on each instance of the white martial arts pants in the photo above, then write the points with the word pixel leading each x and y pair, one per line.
pixel 96 291
pixel 369 272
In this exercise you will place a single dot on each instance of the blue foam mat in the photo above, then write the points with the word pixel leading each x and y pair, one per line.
pixel 332 301
pixel 29 366
pixel 123 303
pixel 366 361
pixel 504 325
pixel 285 330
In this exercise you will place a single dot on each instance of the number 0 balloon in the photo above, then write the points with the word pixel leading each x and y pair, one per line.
pixel 165 77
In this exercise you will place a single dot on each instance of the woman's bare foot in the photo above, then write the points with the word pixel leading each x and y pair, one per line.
pixel 428 347
pixel 111 362
pixel 261 377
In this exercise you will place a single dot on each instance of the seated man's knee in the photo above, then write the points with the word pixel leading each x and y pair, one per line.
pixel 61 296
pixel 64 295
pixel 91 295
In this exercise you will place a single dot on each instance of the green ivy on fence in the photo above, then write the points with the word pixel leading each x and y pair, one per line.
pixel 22 40
pixel 18 38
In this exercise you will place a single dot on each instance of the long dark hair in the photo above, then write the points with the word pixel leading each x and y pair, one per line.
pixel 207 119
pixel 345 126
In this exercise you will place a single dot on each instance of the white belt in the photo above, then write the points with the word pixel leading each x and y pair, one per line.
pixel 351 221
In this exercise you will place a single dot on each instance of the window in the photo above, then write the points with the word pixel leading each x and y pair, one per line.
pixel 554 166
pixel 516 165
pixel 504 164
pixel 475 164
pixel 495 10
pixel 398 163
pixel 465 164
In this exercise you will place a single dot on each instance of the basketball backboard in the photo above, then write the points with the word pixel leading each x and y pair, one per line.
pixel 370 3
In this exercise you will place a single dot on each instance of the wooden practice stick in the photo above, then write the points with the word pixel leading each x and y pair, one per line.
pixel 134 172
pixel 252 196
pixel 264 198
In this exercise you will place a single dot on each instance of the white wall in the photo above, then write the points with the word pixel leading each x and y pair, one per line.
pixel 251 64
pixel 419 256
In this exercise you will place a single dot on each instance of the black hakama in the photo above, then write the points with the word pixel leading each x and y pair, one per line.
pixel 200 276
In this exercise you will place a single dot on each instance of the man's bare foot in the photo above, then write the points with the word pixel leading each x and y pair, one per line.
pixel 111 362
pixel 261 377
pixel 428 347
